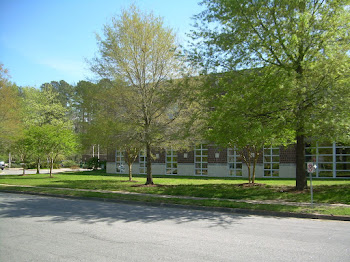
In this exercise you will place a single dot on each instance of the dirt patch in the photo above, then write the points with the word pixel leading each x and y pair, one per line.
pixel 151 185
pixel 251 185
pixel 293 190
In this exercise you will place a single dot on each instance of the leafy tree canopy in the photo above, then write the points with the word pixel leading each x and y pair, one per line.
pixel 308 41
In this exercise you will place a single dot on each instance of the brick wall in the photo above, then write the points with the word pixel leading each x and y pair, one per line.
pixel 288 154
pixel 110 155
pixel 161 159
pixel 182 160
pixel 212 151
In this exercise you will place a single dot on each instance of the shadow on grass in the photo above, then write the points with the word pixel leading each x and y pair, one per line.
pixel 101 181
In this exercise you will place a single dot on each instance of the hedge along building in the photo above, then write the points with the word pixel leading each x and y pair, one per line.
pixel 333 161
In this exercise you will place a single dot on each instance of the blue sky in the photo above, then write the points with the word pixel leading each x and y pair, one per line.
pixel 49 40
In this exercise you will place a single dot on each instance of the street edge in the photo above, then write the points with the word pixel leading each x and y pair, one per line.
pixel 194 207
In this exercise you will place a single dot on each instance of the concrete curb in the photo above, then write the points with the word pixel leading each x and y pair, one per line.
pixel 194 207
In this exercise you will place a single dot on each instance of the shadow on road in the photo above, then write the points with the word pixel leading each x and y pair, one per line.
pixel 62 210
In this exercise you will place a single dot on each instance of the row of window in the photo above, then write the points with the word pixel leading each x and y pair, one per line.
pixel 332 161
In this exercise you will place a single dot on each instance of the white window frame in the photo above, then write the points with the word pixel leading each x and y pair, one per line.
pixel 200 155
pixel 270 163
pixel 171 162
pixel 331 159
pixel 142 162
pixel 119 161
pixel 233 164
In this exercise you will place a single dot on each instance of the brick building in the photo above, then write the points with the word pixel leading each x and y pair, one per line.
pixel 206 160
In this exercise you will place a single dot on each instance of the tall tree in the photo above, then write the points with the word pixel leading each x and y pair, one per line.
pixel 308 40
pixel 43 107
pixel 10 111
pixel 138 50
pixel 85 103
pixel 65 92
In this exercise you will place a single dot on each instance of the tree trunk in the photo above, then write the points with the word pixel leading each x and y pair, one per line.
pixel 38 166
pixel 149 165
pixel 301 182
pixel 300 177
pixel 130 171
pixel 254 167
pixel 10 159
pixel 249 177
pixel 51 167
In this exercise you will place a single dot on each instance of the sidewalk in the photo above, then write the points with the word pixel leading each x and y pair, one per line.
pixel 19 171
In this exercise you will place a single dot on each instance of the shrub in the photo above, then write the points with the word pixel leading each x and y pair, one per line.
pixel 69 163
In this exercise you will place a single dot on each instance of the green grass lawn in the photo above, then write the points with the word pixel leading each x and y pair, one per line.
pixel 325 191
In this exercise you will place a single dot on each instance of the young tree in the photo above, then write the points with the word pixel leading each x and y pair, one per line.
pixel 45 117
pixel 307 40
pixel 138 50
pixel 23 150
pixel 52 141
pixel 42 107
pixel 111 130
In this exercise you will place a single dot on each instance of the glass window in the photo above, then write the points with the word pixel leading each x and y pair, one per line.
pixel 201 159
pixel 332 160
pixel 234 162
pixel 171 162
pixel 143 162
pixel 271 161
pixel 119 161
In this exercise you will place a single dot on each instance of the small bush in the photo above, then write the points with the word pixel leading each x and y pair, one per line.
pixel 69 163
pixel 93 163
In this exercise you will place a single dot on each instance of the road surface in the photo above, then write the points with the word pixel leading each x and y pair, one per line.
pixel 37 228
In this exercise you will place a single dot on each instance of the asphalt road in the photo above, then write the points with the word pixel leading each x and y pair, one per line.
pixel 35 228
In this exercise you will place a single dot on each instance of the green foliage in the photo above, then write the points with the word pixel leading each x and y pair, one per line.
pixel 247 109
pixel 93 163
pixel 140 56
pixel 308 41
pixel 48 132
pixel 247 113
pixel 69 163
pixel 64 91
pixel 10 111
pixel 43 107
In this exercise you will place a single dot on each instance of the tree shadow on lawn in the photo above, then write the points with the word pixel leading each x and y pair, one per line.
pixel 61 210
pixel 326 194
pixel 226 191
